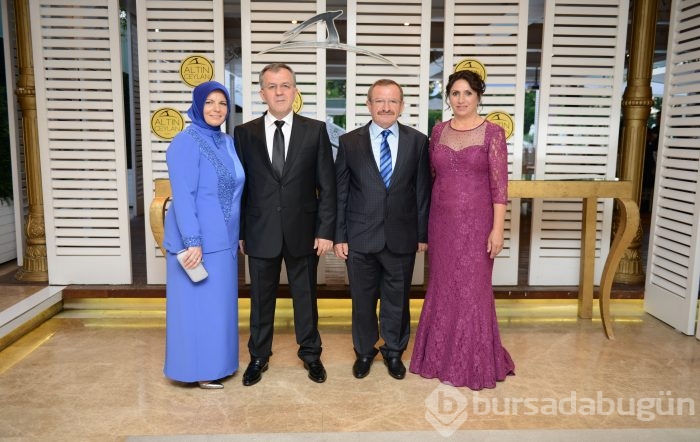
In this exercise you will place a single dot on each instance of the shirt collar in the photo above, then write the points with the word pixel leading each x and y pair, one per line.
pixel 270 120
pixel 375 130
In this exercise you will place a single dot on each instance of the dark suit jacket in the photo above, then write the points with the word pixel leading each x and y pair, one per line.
pixel 371 216
pixel 298 207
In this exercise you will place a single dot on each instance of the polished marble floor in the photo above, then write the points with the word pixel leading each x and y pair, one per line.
pixel 93 372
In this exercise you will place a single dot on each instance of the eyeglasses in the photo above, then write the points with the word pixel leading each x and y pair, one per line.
pixel 273 86
pixel 382 102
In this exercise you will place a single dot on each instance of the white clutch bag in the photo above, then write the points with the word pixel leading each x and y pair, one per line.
pixel 196 274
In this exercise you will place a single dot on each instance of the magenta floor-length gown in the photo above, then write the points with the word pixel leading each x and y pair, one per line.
pixel 457 339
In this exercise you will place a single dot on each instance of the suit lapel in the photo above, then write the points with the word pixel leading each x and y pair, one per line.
pixel 366 151
pixel 296 139
pixel 260 143
pixel 404 141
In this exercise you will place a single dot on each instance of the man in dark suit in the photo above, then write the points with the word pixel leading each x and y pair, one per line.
pixel 383 179
pixel 288 212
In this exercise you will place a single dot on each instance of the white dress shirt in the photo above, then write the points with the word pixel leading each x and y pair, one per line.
pixel 375 134
pixel 270 128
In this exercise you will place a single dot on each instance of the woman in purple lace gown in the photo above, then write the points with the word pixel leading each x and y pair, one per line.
pixel 457 340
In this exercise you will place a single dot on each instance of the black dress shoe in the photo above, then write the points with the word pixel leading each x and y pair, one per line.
pixel 316 371
pixel 361 366
pixel 254 372
pixel 395 367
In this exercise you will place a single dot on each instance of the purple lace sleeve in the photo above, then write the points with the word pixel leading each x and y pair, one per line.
pixel 434 139
pixel 498 164
pixel 435 134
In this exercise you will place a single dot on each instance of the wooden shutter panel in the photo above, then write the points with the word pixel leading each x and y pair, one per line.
pixel 81 127
pixel 673 267
pixel 583 52
pixel 170 31
pixel 495 33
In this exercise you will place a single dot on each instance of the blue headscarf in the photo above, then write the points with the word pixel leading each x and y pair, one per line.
pixel 199 96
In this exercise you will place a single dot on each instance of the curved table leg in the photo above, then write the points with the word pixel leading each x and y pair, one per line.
pixel 157 210
pixel 629 222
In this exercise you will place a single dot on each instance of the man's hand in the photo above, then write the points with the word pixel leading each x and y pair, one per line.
pixel 322 246
pixel 341 250
pixel 422 247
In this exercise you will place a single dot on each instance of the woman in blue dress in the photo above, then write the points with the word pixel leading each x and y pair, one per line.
pixel 206 177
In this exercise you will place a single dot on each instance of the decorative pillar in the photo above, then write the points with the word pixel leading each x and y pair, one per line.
pixel 35 266
pixel 636 107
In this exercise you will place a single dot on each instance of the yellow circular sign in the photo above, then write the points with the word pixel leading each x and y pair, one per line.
pixel 167 122
pixel 298 102
pixel 471 64
pixel 196 69
pixel 504 120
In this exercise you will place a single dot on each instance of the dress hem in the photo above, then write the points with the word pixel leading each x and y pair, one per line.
pixel 213 378
pixel 447 382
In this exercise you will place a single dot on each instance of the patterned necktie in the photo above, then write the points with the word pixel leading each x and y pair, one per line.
pixel 385 158
pixel 278 149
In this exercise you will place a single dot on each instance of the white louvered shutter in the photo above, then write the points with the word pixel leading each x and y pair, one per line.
pixel 583 52
pixel 495 34
pixel 12 230
pixel 403 37
pixel 134 142
pixel 166 37
pixel 78 72
pixel 263 24
pixel 673 267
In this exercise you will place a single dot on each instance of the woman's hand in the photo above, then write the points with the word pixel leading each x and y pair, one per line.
pixel 193 257
pixel 495 243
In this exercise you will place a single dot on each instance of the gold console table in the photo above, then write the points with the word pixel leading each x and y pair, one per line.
pixel 162 192
pixel 590 192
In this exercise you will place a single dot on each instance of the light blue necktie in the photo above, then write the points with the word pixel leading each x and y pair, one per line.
pixel 385 158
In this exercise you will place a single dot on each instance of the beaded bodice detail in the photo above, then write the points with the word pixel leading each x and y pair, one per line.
pixel 476 154
pixel 226 180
